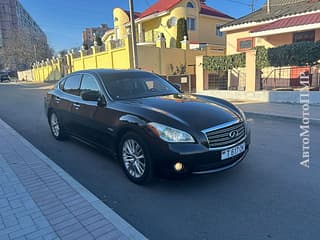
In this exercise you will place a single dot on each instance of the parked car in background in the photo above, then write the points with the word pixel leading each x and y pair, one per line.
pixel 149 123
pixel 4 77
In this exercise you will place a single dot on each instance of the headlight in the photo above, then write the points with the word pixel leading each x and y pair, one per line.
pixel 169 134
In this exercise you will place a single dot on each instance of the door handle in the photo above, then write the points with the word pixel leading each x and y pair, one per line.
pixel 76 105
pixel 57 99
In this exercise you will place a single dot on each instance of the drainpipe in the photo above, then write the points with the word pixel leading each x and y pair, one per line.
pixel 268 6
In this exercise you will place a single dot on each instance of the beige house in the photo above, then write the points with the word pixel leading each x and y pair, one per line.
pixel 277 23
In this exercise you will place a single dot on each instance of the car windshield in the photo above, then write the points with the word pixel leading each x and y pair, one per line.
pixel 122 86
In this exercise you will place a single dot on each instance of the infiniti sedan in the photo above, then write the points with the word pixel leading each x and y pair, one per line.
pixel 149 124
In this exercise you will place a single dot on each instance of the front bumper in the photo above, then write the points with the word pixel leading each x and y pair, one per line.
pixel 196 158
pixel 226 166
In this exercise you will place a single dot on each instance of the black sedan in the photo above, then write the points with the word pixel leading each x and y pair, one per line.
pixel 4 77
pixel 149 124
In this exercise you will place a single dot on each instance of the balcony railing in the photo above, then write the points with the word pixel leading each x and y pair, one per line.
pixel 119 43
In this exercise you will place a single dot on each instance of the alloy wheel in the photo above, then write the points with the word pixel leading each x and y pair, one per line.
pixel 54 123
pixel 133 158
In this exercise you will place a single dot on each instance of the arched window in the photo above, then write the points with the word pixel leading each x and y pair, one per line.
pixel 190 5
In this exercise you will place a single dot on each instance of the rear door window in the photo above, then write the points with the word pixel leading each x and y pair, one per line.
pixel 89 83
pixel 72 85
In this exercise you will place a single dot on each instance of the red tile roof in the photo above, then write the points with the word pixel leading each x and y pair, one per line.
pixel 290 22
pixel 206 10
pixel 159 6
pixel 164 5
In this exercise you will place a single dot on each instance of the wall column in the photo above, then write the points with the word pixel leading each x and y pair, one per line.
pixel 201 75
pixel 140 33
pixel 53 70
pixel 251 84
pixel 185 43
pixel 67 57
pixel 94 51
pixel 82 60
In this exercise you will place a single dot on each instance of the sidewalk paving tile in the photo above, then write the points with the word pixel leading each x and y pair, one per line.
pixel 38 200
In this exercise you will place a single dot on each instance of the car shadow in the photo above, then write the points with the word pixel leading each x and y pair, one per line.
pixel 174 184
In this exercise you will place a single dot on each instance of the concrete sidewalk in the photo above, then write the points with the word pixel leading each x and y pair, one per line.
pixel 39 200
pixel 279 110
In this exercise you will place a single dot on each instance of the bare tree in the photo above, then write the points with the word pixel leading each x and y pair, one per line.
pixel 24 48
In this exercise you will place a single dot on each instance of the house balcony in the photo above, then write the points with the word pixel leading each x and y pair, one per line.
pixel 147 38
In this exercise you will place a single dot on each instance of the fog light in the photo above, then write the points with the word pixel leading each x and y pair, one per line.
pixel 178 166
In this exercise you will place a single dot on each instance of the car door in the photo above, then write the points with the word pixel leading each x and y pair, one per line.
pixel 57 102
pixel 66 100
pixel 84 111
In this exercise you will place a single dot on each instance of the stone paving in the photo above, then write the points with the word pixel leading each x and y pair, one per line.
pixel 38 200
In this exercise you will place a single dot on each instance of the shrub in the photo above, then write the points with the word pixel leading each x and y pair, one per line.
pixel 223 63
pixel 182 31
pixel 296 54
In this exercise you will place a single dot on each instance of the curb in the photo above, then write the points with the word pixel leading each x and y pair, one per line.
pixel 123 226
pixel 281 117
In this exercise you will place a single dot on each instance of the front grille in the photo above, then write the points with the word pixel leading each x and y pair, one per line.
pixel 222 137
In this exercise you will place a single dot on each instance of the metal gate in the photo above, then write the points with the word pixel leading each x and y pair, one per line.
pixel 187 82
pixel 288 77
pixel 218 80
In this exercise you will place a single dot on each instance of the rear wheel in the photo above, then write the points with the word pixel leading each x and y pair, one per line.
pixel 135 159
pixel 56 127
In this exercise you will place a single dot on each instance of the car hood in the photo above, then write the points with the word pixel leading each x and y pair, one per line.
pixel 193 111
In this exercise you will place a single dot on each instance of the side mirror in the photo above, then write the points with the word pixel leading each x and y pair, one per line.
pixel 94 96
pixel 90 96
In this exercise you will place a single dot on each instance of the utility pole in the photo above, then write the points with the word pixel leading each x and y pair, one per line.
pixel 133 35
pixel 252 5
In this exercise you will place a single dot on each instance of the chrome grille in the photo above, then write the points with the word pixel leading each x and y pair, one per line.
pixel 226 136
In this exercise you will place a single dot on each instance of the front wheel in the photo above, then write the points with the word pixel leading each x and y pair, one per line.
pixel 135 159
pixel 56 127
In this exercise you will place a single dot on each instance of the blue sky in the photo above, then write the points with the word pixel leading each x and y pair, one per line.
pixel 64 20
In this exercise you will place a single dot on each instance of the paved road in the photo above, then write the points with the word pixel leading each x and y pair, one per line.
pixel 268 196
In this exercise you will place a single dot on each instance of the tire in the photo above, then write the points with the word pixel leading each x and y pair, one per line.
pixel 56 127
pixel 135 159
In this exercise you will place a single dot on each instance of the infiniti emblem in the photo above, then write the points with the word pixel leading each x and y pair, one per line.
pixel 233 134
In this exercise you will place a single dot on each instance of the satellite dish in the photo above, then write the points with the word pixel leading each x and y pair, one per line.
pixel 172 22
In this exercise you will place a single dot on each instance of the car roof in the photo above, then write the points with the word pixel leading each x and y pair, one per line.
pixel 106 71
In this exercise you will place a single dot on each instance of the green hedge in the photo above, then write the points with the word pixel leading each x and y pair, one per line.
pixel 223 63
pixel 262 59
pixel 296 54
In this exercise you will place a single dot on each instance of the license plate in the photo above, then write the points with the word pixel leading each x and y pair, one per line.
pixel 229 153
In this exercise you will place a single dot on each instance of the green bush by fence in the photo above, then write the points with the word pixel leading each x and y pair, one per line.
pixel 224 63
pixel 296 54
